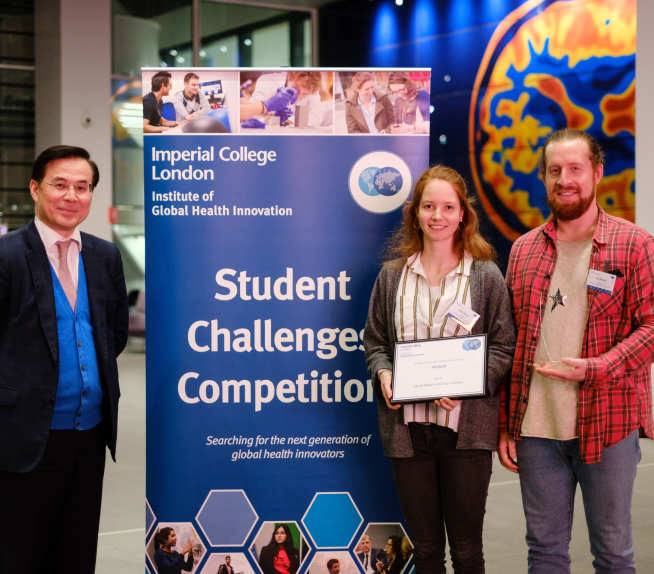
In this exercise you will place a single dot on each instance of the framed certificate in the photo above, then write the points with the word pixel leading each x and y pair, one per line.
pixel 453 367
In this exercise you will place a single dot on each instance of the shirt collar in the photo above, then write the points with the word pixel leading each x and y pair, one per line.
pixel 414 263
pixel 373 101
pixel 601 234
pixel 49 236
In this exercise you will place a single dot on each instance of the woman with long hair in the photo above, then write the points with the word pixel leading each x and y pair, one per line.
pixel 366 109
pixel 441 449
pixel 394 561
pixel 170 561
pixel 280 556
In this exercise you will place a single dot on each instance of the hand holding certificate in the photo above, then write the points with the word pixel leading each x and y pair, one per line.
pixel 453 367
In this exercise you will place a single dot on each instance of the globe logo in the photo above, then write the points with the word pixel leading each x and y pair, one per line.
pixel 380 182
pixel 471 344
pixel 384 181
pixel 553 64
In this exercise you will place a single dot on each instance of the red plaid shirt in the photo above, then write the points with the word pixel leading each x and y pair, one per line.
pixel 616 396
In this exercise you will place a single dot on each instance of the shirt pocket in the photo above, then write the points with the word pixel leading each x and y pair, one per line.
pixel 607 309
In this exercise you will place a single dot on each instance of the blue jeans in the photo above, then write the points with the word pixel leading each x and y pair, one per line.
pixel 549 473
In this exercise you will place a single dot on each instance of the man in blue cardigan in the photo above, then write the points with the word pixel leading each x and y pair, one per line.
pixel 63 322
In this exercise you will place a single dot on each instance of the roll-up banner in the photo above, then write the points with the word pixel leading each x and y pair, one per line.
pixel 269 195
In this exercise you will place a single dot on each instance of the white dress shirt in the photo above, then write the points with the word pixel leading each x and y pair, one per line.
pixel 50 237
pixel 421 312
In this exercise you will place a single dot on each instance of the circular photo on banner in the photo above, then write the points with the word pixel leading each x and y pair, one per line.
pixel 380 182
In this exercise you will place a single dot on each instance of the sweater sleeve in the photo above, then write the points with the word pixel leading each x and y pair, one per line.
pixel 376 338
pixel 499 327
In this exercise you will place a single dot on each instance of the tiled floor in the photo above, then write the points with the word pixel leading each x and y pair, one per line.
pixel 121 529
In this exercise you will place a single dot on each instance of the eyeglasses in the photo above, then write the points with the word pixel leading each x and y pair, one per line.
pixel 397 88
pixel 80 188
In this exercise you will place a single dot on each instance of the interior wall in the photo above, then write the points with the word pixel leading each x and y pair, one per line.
pixel 73 73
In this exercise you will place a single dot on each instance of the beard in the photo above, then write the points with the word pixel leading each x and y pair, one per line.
pixel 570 211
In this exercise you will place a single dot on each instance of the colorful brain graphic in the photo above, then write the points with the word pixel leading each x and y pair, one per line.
pixel 553 64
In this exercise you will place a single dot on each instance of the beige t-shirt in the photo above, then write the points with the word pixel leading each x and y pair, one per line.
pixel 552 407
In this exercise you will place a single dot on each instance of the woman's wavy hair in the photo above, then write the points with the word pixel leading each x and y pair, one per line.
pixel 309 81
pixel 287 544
pixel 361 78
pixel 408 239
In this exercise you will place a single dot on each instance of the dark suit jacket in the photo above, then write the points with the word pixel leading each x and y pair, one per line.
pixel 356 123
pixel 29 352
pixel 374 553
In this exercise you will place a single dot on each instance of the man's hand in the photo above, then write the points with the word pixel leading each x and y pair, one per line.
pixel 574 374
pixel 386 380
pixel 507 452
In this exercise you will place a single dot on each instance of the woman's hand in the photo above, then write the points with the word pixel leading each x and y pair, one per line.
pixel 400 129
pixel 187 548
pixel 447 404
pixel 385 377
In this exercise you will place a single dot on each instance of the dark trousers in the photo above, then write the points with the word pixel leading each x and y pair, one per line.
pixel 51 514
pixel 442 489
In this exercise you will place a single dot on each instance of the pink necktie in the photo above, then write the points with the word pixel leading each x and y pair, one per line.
pixel 65 278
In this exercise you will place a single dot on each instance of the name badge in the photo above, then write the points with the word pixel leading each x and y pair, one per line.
pixel 462 315
pixel 600 281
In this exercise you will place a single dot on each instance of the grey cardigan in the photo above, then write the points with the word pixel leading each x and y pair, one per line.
pixel 478 422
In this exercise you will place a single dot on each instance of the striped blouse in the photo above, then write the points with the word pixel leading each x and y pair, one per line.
pixel 421 313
